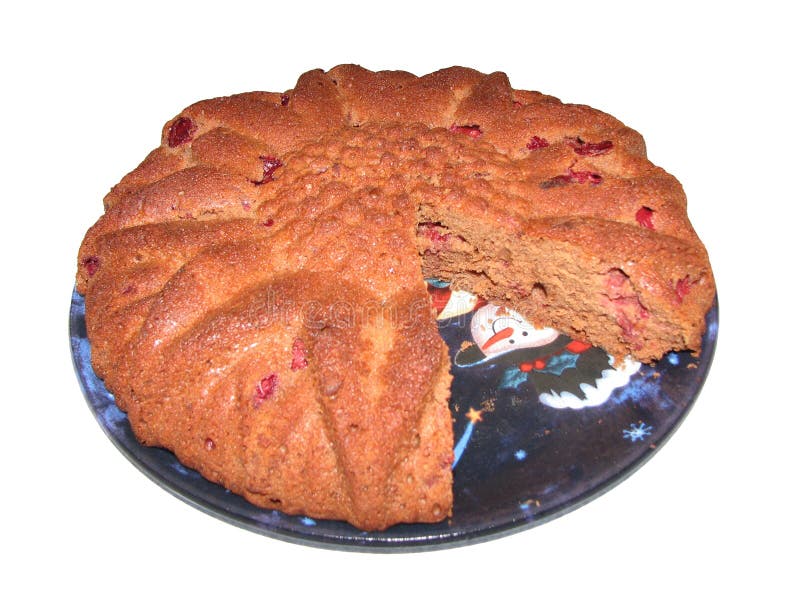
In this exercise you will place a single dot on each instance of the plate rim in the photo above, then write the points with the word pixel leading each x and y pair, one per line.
pixel 367 541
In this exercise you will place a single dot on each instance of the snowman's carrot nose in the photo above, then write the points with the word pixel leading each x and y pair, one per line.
pixel 500 335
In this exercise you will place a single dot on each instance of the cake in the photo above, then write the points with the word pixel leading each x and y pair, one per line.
pixel 255 294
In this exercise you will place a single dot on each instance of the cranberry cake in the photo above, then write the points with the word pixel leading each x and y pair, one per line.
pixel 254 290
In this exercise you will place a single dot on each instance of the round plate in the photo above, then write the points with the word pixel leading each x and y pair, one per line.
pixel 542 425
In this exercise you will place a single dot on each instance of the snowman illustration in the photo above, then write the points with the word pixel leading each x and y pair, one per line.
pixel 566 373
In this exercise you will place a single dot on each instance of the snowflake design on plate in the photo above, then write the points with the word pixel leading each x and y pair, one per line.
pixel 637 432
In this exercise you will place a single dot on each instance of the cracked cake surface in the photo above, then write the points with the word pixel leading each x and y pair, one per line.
pixel 254 290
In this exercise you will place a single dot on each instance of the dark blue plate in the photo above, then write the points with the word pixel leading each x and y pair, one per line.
pixel 541 428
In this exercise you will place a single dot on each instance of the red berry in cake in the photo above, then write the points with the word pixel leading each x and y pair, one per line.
pixel 181 132
pixel 270 164
pixel 616 280
pixel 537 142
pixel 299 360
pixel 591 148
pixel 91 264
pixel 265 389
pixel 284 99
pixel 585 177
pixel 682 287
pixel 268 223
pixel 627 325
pixel 209 444
pixel 572 177
pixel 473 131
pixel 644 216
pixel 435 233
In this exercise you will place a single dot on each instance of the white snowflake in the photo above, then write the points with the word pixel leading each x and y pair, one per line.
pixel 637 432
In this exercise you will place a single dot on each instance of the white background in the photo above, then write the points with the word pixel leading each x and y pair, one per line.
pixel 85 92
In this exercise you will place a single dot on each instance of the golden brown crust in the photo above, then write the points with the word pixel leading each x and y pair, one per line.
pixel 260 207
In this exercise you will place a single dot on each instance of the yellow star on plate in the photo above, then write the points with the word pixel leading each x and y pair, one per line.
pixel 474 415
